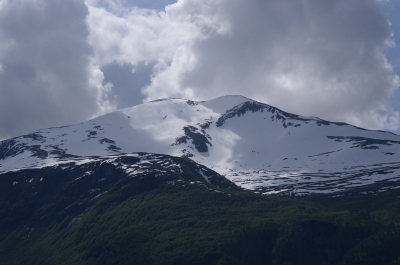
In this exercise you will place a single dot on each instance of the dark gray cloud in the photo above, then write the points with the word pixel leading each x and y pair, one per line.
pixel 46 78
pixel 319 58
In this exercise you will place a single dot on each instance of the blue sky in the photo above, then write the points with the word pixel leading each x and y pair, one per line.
pixel 63 62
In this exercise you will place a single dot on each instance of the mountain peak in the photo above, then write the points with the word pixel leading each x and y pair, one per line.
pixel 255 145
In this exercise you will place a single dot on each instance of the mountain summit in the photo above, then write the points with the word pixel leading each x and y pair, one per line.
pixel 257 146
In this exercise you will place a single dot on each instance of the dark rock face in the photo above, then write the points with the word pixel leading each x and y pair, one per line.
pixel 106 140
pixel 198 137
pixel 287 119
pixel 242 109
pixel 35 137
pixel 37 151
pixel 362 142
pixel 206 125
pixel 252 106
pixel 10 148
pixel 192 103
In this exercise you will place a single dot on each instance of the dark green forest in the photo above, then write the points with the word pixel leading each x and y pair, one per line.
pixel 59 216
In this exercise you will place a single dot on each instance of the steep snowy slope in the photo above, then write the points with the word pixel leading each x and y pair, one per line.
pixel 257 146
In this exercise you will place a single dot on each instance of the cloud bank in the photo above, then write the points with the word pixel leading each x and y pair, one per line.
pixel 318 58
pixel 46 75
pixel 63 62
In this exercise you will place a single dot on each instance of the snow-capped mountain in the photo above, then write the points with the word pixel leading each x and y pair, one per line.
pixel 255 145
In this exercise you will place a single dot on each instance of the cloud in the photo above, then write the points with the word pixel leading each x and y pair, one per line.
pixel 47 76
pixel 319 58
pixel 63 62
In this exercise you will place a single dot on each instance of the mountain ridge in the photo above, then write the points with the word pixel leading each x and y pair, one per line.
pixel 258 146
pixel 84 194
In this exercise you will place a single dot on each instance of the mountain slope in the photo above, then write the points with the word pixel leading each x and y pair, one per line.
pixel 67 189
pixel 257 146
pixel 156 209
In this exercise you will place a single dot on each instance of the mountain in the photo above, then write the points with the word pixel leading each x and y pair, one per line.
pixel 143 208
pixel 53 193
pixel 257 146
pixel 151 185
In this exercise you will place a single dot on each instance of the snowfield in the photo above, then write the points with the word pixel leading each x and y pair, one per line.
pixel 255 145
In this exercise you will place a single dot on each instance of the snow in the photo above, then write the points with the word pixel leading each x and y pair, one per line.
pixel 207 178
pixel 268 151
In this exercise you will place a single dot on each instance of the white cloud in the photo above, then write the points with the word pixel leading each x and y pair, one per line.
pixel 308 57
pixel 311 57
pixel 130 36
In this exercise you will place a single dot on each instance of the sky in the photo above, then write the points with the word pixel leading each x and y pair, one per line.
pixel 67 61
